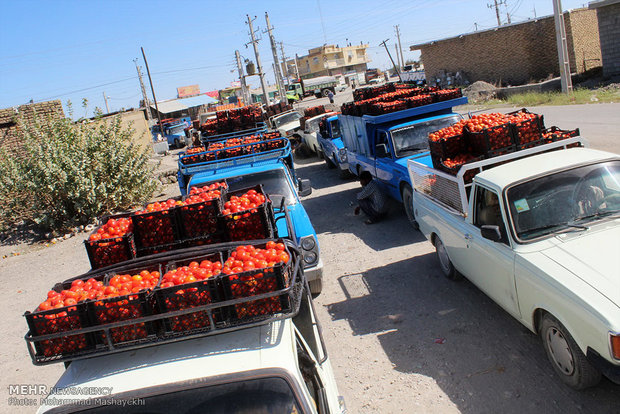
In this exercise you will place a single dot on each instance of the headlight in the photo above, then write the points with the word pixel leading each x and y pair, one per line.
pixel 310 258
pixel 308 243
pixel 342 152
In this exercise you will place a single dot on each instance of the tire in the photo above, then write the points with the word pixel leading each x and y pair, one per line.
pixel 330 163
pixel 325 92
pixel 445 264
pixel 408 206
pixel 565 356
pixel 316 286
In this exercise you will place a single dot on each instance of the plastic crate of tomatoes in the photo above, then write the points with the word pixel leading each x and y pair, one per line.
pixel 380 108
pixel 490 138
pixel 247 215
pixel 253 270
pixel 198 216
pixel 453 165
pixel 446 94
pixel 418 100
pixel 112 242
pixel 127 297
pixel 187 284
pixel 528 127
pixel 553 134
pixel 156 224
pixel 194 155
pixel 49 319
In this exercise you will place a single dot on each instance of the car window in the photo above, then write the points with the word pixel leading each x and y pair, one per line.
pixel 487 211
pixel 335 126
pixel 415 137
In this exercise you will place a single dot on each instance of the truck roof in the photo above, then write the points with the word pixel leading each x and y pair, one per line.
pixel 266 346
pixel 506 174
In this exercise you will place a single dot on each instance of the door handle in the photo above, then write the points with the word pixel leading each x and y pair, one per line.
pixel 468 236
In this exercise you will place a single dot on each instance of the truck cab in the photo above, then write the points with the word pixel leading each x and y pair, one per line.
pixel 274 170
pixel 174 134
pixel 288 124
pixel 311 129
pixel 332 148
pixel 278 366
pixel 382 144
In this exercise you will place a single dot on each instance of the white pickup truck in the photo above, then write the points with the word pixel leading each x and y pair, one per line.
pixel 538 231
pixel 279 365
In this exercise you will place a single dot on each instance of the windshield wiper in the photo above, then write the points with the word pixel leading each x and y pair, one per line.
pixel 563 226
pixel 599 214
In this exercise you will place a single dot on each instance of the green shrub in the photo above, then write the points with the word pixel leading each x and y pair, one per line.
pixel 69 173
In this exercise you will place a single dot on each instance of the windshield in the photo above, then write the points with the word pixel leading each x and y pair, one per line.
pixel 275 184
pixel 415 137
pixel 285 119
pixel 259 396
pixel 313 125
pixel 565 200
pixel 176 129
pixel 335 128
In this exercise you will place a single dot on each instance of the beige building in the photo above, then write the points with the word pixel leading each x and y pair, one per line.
pixel 329 60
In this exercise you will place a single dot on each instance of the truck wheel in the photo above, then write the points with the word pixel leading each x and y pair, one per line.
pixel 408 205
pixel 316 286
pixel 325 92
pixel 566 358
pixel 447 268
pixel 330 163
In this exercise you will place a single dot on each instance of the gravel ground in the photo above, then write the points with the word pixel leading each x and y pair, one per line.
pixel 401 338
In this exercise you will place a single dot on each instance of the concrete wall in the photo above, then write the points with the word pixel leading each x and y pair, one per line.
pixel 514 54
pixel 609 32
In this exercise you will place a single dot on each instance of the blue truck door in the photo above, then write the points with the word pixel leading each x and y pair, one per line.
pixel 383 160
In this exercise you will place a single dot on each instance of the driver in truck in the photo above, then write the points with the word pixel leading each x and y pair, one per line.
pixel 371 199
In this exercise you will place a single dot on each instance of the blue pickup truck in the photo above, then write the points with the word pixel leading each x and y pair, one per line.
pixel 173 132
pixel 274 170
pixel 382 144
pixel 332 148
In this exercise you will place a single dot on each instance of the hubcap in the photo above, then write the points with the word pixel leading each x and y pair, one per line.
pixel 444 260
pixel 560 351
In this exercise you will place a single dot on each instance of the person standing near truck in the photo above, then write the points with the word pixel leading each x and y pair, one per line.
pixel 371 199
pixel 330 95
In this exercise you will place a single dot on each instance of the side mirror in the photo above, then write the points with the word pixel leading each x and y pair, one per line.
pixel 381 151
pixel 491 232
pixel 305 189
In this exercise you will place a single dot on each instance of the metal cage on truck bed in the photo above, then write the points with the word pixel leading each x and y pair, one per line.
pixel 452 191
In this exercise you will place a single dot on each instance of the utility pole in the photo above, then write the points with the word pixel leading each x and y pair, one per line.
pixel 284 63
pixel 388 52
pixel 145 96
pixel 397 56
pixel 261 75
pixel 107 108
pixel 276 61
pixel 560 34
pixel 496 7
pixel 534 11
pixel 244 88
pixel 148 72
pixel 400 47
pixel 297 66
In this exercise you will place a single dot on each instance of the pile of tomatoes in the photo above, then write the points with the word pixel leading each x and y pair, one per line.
pixel 196 295
pixel 418 100
pixel 107 245
pixel 250 272
pixel 447 94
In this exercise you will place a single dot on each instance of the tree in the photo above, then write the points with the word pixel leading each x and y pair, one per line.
pixel 69 173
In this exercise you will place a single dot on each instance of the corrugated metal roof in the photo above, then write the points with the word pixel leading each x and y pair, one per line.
pixel 175 105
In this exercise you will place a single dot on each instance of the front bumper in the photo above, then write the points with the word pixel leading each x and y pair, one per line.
pixel 608 369
pixel 315 272
pixel 344 166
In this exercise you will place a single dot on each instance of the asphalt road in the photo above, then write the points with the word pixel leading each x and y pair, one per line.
pixel 401 337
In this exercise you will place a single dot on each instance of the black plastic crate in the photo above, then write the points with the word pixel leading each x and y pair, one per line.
pixel 102 253
pixel 446 94
pixel 148 251
pixel 468 176
pixel 190 295
pixel 489 139
pixel 155 228
pixel 213 238
pixel 529 130
pixel 252 224
pixel 448 147
pixel 60 321
pixel 199 219
pixel 553 134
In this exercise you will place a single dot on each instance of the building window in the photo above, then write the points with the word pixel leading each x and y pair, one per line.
pixel 361 53
pixel 315 60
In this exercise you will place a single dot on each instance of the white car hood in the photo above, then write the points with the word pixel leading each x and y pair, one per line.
pixel 593 256
pixel 289 126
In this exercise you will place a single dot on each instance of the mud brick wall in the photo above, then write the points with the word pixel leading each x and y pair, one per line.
pixel 609 31
pixel 9 138
pixel 515 54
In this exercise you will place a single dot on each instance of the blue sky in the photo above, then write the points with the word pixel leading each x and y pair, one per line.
pixel 71 50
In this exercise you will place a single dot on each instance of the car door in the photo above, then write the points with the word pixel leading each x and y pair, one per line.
pixel 489 264
pixel 383 158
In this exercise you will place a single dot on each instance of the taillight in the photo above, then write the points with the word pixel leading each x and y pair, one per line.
pixel 615 345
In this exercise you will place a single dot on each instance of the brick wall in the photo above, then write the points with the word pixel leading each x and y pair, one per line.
pixel 609 28
pixel 8 127
pixel 513 54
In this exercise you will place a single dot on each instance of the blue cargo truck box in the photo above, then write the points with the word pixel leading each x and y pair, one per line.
pixel 382 144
